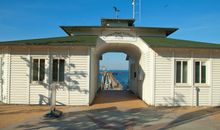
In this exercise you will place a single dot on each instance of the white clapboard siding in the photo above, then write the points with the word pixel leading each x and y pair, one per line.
pixel 183 96
pixel 149 76
pixel 163 75
pixel 39 94
pixel 19 77
pixel 5 74
pixel 216 81
pixel 62 95
pixel 78 77
pixel 204 96
pixel 142 69
pixel 62 89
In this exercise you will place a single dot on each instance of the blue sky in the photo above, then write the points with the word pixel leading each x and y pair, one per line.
pixel 26 19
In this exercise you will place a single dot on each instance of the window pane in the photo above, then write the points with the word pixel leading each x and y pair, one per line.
pixel 42 69
pixel 203 73
pixel 61 70
pixel 35 70
pixel 184 72
pixel 178 71
pixel 55 70
pixel 197 73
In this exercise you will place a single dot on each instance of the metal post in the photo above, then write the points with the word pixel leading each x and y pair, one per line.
pixel 133 10
pixel 53 96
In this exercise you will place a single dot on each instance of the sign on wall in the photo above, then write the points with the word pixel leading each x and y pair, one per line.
pixel 118 36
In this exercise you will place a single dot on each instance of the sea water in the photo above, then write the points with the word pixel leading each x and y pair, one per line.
pixel 120 75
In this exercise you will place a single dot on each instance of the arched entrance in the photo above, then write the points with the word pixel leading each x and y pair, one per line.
pixel 134 55
pixel 136 60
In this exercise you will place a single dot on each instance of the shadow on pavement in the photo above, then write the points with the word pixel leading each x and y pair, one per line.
pixel 114 119
pixel 192 116
pixel 107 118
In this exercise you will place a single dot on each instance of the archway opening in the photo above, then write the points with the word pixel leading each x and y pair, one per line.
pixel 131 56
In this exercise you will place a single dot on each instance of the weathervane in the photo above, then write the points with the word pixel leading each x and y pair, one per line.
pixel 116 11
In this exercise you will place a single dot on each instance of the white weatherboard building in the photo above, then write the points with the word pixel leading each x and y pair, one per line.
pixel 163 71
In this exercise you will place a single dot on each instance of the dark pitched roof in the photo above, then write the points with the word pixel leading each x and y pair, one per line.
pixel 155 42
pixel 56 41
pixel 92 40
pixel 73 29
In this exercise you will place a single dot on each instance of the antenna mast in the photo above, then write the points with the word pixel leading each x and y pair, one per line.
pixel 133 8
pixel 139 10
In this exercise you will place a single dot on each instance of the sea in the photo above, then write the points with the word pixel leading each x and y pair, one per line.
pixel 120 75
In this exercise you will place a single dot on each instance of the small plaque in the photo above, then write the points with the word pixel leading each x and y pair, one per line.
pixel 119 36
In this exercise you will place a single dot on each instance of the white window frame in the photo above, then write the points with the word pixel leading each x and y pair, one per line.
pixel 38 75
pixel 200 76
pixel 58 72
pixel 181 76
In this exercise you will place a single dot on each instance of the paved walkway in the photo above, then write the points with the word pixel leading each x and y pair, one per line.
pixel 118 99
pixel 121 110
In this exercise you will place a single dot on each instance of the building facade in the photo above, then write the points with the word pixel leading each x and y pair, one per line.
pixel 162 71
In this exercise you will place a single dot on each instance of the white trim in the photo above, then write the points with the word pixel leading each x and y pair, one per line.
pixel 200 76
pixel 192 78
pixel 181 69
pixel 58 82
pixel 67 77
pixel 38 73
pixel 48 74
pixel 153 77
pixel 173 77
pixel 38 57
pixel 201 85
pixel 29 74
pixel 4 76
pixel 211 80
pixel 88 75
pixel 9 74
pixel 92 88
pixel 1 79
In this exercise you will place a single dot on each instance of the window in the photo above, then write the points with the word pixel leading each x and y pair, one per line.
pixel 200 72
pixel 181 72
pixel 58 70
pixel 38 69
